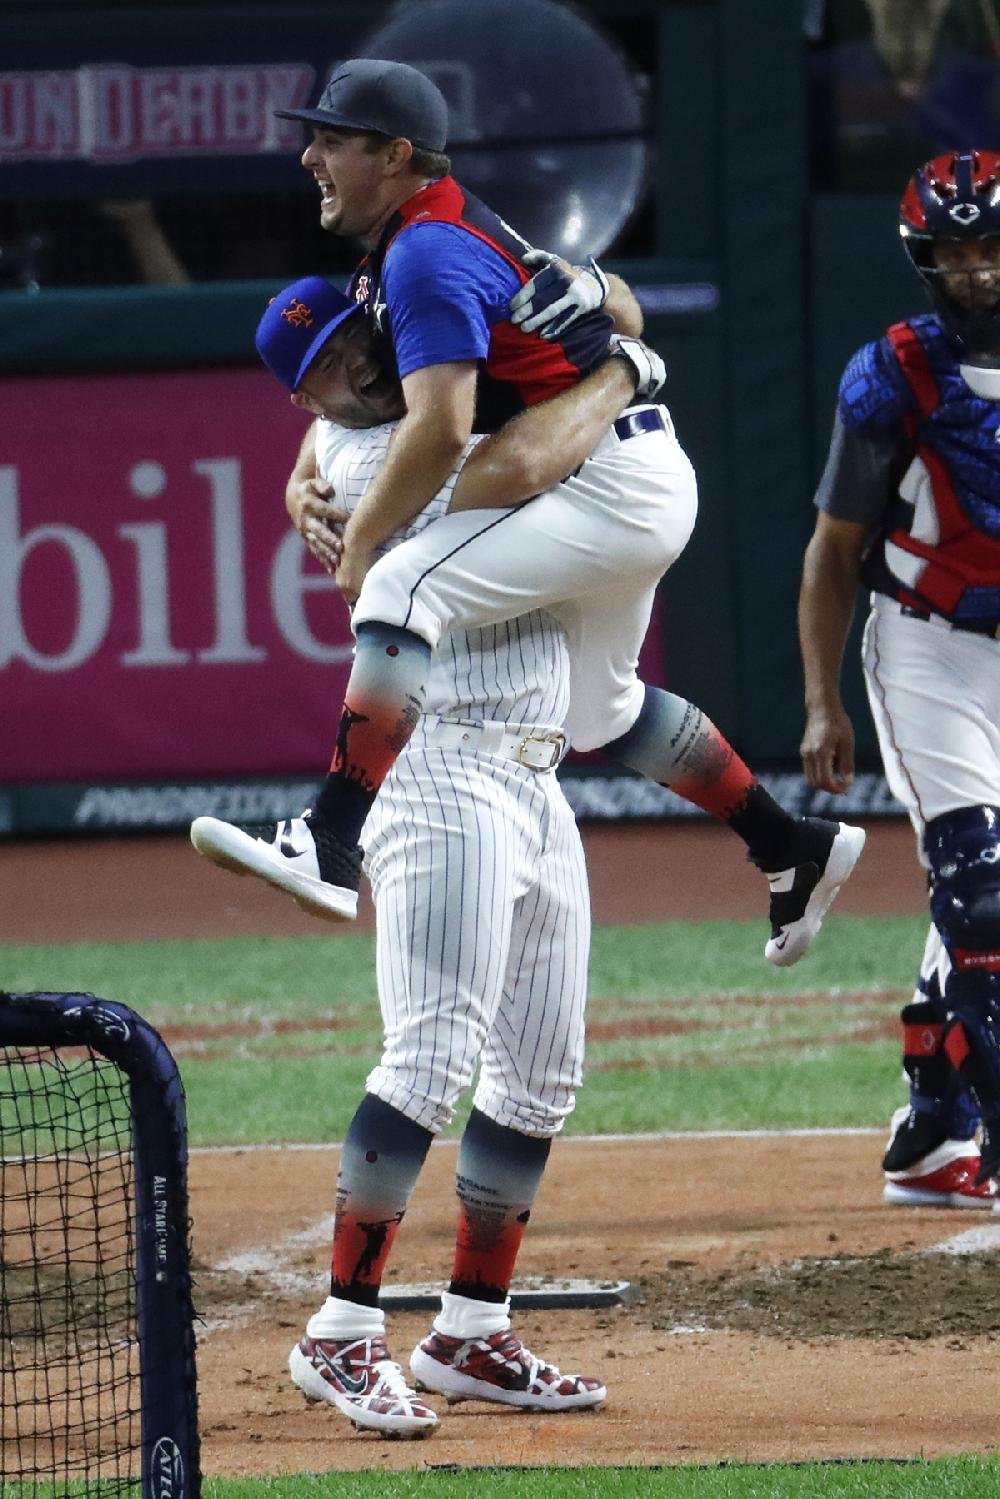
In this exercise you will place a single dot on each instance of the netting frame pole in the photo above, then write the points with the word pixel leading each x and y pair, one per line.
pixel 164 1311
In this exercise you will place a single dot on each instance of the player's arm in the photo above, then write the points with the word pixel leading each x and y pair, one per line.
pixel 559 293
pixel 539 447
pixel 623 308
pixel 308 500
pixel 830 575
pixel 427 448
pixel 869 451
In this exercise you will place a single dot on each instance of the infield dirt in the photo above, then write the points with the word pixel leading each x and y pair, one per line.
pixel 782 1311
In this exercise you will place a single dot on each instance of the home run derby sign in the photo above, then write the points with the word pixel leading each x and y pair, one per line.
pixel 85 108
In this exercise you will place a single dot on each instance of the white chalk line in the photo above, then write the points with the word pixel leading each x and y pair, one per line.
pixel 667 1134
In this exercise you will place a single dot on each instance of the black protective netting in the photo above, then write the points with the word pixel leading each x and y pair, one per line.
pixel 69 1354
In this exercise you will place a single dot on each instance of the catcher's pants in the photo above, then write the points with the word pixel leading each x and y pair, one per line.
pixel 483 934
pixel 591 551
pixel 935 699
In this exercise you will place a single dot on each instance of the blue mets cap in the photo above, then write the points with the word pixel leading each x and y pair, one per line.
pixel 297 324
pixel 369 93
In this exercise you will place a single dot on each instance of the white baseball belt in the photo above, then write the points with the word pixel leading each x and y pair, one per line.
pixel 535 748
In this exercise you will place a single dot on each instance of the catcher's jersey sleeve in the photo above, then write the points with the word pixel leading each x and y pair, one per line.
pixel 869 449
pixel 861 475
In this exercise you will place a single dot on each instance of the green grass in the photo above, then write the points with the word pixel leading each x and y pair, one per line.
pixel 950 1478
pixel 947 1478
pixel 689 1027
pixel 317 974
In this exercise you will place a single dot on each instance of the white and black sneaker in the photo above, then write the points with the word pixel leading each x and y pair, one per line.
pixel 301 855
pixel 802 895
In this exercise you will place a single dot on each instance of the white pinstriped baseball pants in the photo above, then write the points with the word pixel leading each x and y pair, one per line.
pixel 483 935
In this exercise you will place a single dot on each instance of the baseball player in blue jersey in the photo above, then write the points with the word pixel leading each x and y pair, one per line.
pixel 909 504
pixel 439 281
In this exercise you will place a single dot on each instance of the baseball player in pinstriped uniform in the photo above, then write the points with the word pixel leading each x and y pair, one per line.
pixel 483 930
pixel 441 274
pixel 465 879
pixel 909 504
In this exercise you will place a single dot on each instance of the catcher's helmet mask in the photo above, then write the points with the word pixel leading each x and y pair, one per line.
pixel 956 197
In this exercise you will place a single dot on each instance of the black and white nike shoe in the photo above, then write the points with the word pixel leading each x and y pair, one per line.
pixel 300 855
pixel 802 895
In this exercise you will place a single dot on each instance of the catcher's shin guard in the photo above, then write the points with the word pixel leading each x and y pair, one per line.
pixel 963 850
pixel 940 1108
pixel 972 1041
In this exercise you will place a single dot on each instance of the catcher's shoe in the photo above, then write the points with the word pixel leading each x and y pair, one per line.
pixel 301 855
pixel 802 895
pixel 498 1368
pixel 944 1177
pixel 363 1383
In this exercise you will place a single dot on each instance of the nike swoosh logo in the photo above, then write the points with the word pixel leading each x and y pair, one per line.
pixel 783 943
pixel 286 843
pixel 351 1385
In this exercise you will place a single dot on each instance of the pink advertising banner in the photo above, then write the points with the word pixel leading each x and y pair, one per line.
pixel 158 617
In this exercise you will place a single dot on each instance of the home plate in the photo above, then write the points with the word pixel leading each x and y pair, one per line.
pixel 528 1292
pixel 972 1241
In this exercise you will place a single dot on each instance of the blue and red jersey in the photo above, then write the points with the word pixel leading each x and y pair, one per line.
pixel 439 285
pixel 938 540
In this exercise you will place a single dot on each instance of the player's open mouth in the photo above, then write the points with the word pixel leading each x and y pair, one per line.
pixel 376 385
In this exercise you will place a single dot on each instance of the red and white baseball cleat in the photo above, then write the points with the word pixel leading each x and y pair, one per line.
pixel 360 1379
pixel 943 1178
pixel 499 1368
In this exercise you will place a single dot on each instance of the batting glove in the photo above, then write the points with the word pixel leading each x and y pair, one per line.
pixel 649 369
pixel 557 295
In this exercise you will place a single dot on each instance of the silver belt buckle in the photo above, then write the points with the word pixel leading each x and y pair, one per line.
pixel 556 743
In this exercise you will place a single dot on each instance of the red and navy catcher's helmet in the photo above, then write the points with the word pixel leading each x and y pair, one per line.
pixel 957 197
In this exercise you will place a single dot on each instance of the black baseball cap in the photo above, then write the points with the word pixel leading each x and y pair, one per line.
pixel 368 93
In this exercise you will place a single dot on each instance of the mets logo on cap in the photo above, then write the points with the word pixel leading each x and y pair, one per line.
pixel 298 314
pixel 296 325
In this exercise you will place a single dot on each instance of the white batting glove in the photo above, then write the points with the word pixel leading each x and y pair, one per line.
pixel 557 295
pixel 649 369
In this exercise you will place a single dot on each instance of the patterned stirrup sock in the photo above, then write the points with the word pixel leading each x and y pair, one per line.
pixel 379 1165
pixel 675 743
pixel 496 1179
pixel 382 706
